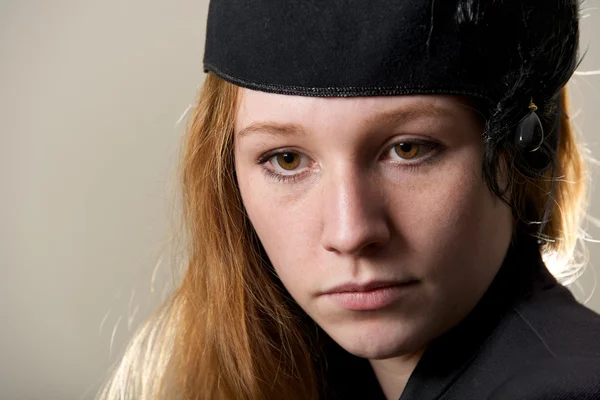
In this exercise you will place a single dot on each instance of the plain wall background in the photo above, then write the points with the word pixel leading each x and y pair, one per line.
pixel 90 93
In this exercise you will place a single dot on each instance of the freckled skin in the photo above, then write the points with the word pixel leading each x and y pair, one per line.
pixel 353 214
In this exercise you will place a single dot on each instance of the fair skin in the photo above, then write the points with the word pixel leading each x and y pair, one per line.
pixel 383 195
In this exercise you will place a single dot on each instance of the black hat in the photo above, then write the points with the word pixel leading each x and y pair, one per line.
pixel 389 47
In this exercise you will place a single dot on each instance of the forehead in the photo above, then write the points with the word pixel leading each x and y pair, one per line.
pixel 255 107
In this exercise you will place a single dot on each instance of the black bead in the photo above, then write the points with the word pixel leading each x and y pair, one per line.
pixel 530 133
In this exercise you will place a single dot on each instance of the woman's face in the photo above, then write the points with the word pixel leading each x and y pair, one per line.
pixel 373 212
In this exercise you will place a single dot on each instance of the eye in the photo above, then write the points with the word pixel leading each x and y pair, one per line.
pixel 287 161
pixel 285 165
pixel 407 151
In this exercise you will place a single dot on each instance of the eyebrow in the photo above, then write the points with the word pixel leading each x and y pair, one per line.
pixel 401 115
pixel 414 111
pixel 273 128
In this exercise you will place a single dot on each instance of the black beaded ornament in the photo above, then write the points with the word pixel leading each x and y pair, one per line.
pixel 536 153
pixel 530 133
pixel 534 157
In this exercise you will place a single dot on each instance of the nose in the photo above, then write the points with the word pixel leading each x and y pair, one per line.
pixel 353 214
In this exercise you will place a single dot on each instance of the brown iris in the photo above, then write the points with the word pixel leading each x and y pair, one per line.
pixel 288 161
pixel 406 150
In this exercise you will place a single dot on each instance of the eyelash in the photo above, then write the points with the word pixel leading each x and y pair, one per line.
pixel 411 166
pixel 282 178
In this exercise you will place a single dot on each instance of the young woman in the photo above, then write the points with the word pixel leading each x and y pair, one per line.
pixel 370 190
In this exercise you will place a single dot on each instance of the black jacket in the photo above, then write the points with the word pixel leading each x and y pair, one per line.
pixel 527 338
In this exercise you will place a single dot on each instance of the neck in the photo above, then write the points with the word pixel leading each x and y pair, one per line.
pixel 393 373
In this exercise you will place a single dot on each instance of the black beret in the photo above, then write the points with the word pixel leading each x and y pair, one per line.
pixel 487 49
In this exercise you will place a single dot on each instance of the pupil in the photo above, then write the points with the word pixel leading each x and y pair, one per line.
pixel 405 147
pixel 289 157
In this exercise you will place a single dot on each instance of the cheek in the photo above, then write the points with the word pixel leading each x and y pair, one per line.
pixel 447 208
pixel 451 204
pixel 284 226
pixel 459 231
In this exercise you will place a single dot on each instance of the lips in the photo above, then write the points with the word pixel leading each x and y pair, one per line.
pixel 365 287
pixel 369 296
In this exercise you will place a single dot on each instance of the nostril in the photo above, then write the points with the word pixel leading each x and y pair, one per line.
pixel 366 240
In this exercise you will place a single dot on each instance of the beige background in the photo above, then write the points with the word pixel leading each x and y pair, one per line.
pixel 90 93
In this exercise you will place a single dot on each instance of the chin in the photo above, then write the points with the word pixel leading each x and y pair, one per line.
pixel 377 340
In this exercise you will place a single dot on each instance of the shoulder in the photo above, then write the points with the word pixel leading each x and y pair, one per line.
pixel 560 354
pixel 576 378
pixel 565 327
